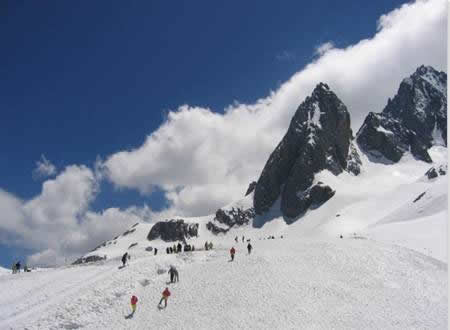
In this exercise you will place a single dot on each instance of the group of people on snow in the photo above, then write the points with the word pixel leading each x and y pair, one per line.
pixel 173 272
pixel 16 268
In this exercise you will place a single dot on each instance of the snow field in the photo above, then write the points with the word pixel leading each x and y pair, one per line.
pixel 284 284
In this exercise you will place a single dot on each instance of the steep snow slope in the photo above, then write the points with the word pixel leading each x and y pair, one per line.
pixel 284 284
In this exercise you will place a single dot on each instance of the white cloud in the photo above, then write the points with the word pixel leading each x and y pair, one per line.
pixel 323 48
pixel 57 223
pixel 204 160
pixel 44 168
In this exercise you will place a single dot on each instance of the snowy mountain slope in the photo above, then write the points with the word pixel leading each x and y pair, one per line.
pixel 4 271
pixel 307 283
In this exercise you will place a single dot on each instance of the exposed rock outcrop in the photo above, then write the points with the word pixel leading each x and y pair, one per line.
pixel 414 120
pixel 173 230
pixel 226 219
pixel 319 137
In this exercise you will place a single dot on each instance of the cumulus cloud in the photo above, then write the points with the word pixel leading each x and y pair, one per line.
pixel 323 48
pixel 44 168
pixel 57 223
pixel 203 159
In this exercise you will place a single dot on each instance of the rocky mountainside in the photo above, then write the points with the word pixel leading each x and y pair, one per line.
pixel 414 120
pixel 319 137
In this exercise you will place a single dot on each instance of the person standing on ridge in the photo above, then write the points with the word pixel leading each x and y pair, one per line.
pixel 242 238
pixel 165 296
pixel 232 252
pixel 179 248
pixel 249 248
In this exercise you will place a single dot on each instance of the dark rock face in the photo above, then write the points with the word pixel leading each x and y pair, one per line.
pixel 93 258
pixel 173 230
pixel 319 137
pixel 434 172
pixel 224 220
pixel 251 188
pixel 415 119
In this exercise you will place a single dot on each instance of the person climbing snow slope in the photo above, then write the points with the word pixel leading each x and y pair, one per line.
pixel 165 296
pixel 232 252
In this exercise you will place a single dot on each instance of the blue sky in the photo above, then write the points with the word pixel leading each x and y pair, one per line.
pixel 83 80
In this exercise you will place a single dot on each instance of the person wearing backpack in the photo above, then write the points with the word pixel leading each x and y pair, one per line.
pixel 165 297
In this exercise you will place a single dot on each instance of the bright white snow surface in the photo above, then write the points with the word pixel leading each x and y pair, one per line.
pixel 389 271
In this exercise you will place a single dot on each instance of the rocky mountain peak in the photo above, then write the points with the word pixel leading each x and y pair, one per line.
pixel 414 119
pixel 319 137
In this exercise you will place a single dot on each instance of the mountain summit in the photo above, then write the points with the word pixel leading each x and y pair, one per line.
pixel 319 137
pixel 415 119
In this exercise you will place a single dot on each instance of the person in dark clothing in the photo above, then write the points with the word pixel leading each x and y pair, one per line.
pixel 18 266
pixel 206 245
pixel 232 252
pixel 167 250
pixel 249 248
pixel 173 274
pixel 171 249
pixel 156 251
pixel 124 259
pixel 242 239
pixel 179 247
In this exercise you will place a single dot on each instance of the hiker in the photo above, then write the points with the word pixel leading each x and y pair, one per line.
pixel 210 245
pixel 125 258
pixel 156 251
pixel 167 250
pixel 179 248
pixel 134 301
pixel 173 274
pixel 165 296
pixel 192 248
pixel 13 267
pixel 249 248
pixel 206 245
pixel 232 252
pixel 18 267
pixel 242 239
pixel 174 248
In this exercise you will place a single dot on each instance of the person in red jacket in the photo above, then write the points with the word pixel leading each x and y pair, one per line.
pixel 134 301
pixel 165 296
pixel 232 252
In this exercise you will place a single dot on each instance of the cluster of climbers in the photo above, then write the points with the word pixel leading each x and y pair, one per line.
pixel 16 268
pixel 173 272
pixel 178 248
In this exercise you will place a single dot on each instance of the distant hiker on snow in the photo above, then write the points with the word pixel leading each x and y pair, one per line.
pixel 173 274
pixel 242 239
pixel 179 247
pixel 14 269
pixel 249 248
pixel 134 301
pixel 18 267
pixel 206 245
pixel 156 251
pixel 124 259
pixel 165 296
pixel 232 252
